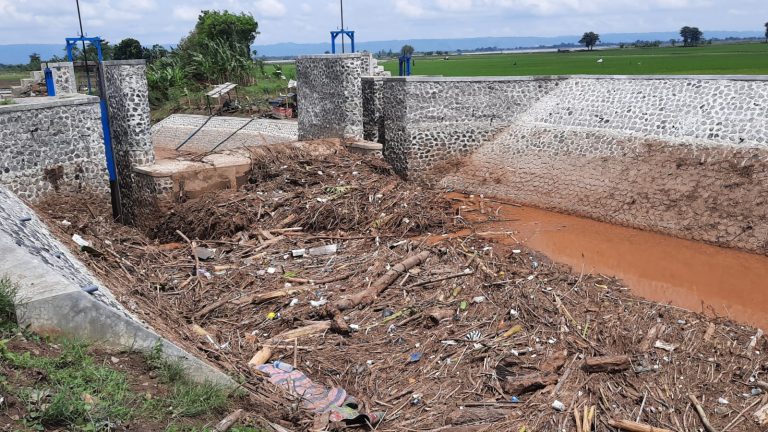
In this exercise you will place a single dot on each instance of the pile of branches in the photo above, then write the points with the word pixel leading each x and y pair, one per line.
pixel 339 192
pixel 451 330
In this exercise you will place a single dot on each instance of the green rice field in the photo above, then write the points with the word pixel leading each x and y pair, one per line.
pixel 723 59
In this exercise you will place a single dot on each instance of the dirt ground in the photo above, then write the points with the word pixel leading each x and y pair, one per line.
pixel 418 313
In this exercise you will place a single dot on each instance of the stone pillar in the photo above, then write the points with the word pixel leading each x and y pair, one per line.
pixel 373 120
pixel 330 95
pixel 127 96
pixel 64 79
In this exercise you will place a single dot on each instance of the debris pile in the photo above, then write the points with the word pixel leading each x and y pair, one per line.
pixel 334 270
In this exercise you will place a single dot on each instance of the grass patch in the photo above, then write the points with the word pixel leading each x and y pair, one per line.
pixel 75 392
pixel 9 291
pixel 72 390
pixel 7 102
pixel 717 59
pixel 186 398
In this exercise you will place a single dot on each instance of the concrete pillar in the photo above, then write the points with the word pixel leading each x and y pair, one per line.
pixel 63 77
pixel 330 95
pixel 127 96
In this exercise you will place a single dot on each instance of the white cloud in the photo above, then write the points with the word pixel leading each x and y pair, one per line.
pixel 270 8
pixel 306 7
pixel 186 13
pixel 454 5
pixel 409 8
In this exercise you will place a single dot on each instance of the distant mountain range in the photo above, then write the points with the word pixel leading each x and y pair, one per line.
pixel 15 54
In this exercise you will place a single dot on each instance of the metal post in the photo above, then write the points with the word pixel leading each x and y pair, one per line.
pixel 352 37
pixel 342 26
pixel 49 81
pixel 333 43
pixel 85 56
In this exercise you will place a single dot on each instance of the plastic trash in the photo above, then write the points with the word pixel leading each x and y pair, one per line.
pixel 25 218
pixel 414 357
pixel 80 241
pixel 478 299
pixel 272 315
pixel 515 399
pixel 203 253
pixel 558 406
pixel 474 336
pixel 387 312
pixel 323 250
pixel 90 289
pixel 318 303
pixel 463 305
pixel 294 302
pixel 296 253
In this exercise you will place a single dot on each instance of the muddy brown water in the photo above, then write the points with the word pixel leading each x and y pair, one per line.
pixel 683 273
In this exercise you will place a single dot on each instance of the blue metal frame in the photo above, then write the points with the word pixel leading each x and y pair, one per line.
pixel 349 33
pixel 405 65
pixel 95 41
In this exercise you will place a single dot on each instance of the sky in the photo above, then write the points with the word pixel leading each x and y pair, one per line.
pixel 166 21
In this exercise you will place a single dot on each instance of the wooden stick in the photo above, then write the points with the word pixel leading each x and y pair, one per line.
pixel 369 294
pixel 702 414
pixel 631 426
pixel 227 422
pixel 440 279
pixel 261 298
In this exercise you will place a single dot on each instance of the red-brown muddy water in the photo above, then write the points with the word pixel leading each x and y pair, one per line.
pixel 664 269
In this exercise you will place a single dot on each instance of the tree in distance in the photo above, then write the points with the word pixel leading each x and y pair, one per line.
pixel 590 39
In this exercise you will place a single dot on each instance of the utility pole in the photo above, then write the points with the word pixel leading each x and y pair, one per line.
pixel 342 25
pixel 85 55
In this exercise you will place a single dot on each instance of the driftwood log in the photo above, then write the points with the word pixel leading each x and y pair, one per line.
pixel 631 426
pixel 368 295
pixel 609 364
pixel 521 384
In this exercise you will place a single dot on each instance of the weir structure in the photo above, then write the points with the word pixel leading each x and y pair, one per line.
pixel 685 156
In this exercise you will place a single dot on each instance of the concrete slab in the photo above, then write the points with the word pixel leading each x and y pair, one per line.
pixel 52 300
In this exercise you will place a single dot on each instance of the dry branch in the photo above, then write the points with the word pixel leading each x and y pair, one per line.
pixel 365 297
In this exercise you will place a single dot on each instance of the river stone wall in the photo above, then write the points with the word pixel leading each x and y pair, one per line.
pixel 330 95
pixel 127 98
pixel 686 156
pixel 52 144
pixel 63 73
pixel 373 119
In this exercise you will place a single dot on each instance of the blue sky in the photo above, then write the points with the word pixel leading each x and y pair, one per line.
pixel 166 21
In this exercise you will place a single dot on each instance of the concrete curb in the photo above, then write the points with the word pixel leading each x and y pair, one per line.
pixel 52 300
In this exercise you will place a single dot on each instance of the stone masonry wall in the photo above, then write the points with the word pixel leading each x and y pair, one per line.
pixel 63 77
pixel 373 120
pixel 686 156
pixel 429 120
pixel 330 95
pixel 52 145
pixel 128 104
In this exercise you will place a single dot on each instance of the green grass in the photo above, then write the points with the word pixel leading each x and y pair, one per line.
pixel 7 102
pixel 78 393
pixel 8 294
pixel 750 59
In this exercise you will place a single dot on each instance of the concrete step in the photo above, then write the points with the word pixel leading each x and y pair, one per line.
pixel 27 82
pixel 17 91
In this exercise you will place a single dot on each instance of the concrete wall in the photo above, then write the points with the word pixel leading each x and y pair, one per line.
pixel 330 95
pixel 686 156
pixel 52 144
pixel 127 98
pixel 175 129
